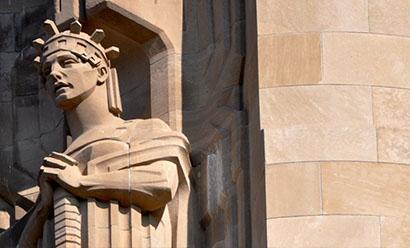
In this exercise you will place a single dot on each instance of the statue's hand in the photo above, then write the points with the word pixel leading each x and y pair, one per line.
pixel 62 169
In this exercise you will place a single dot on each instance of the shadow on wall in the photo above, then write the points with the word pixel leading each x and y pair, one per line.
pixel 133 71
pixel 213 56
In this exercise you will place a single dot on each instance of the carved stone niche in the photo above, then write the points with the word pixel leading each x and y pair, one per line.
pixel 146 66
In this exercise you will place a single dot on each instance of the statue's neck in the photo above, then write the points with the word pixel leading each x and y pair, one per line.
pixel 91 113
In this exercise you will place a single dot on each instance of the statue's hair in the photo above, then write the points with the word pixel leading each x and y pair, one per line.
pixel 87 48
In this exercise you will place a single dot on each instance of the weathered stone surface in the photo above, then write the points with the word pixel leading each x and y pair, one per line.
pixel 324 231
pixel 27 117
pixel 293 189
pixel 50 117
pixel 212 61
pixel 133 67
pixel 17 5
pixel 391 107
pixel 393 145
pixel 297 144
pixel 282 16
pixel 7 30
pixel 28 23
pixel 6 158
pixel 358 59
pixel 166 15
pixel 6 124
pixel 336 122
pixel 365 188
pixel 6 65
pixel 392 115
pixel 389 17
pixel 395 231
pixel 29 156
pixel 289 60
pixel 26 77
pixel 316 106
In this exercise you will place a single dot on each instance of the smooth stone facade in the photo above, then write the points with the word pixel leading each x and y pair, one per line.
pixel 333 80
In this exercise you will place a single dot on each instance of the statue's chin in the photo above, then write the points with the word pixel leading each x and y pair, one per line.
pixel 65 103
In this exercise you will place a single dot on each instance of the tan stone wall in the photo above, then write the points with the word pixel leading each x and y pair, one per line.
pixel 334 79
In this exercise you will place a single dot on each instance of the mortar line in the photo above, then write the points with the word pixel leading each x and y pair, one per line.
pixel 335 161
pixel 320 215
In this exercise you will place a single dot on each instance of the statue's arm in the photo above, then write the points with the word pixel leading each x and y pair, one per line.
pixel 147 186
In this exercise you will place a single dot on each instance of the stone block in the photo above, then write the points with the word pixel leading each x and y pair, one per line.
pixel 365 188
pixel 6 158
pixel 26 79
pixel 395 231
pixel 6 124
pixel 297 144
pixel 313 123
pixel 54 141
pixel 29 156
pixel 6 64
pixel 289 60
pixel 324 231
pixel 393 145
pixel 7 31
pixel 27 117
pixel 389 17
pixel 282 16
pixel 391 107
pixel 293 189
pixel 353 58
pixel 50 117
pixel 29 22
pixel 316 106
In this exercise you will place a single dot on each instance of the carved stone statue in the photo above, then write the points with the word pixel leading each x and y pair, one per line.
pixel 119 183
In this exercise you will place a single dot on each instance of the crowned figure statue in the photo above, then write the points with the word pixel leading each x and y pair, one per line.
pixel 119 183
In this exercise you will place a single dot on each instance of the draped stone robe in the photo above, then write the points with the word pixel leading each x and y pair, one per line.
pixel 134 146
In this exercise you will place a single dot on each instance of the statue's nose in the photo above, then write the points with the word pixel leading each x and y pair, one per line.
pixel 55 72
pixel 57 75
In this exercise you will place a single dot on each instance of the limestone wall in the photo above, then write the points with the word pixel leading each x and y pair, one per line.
pixel 334 106
pixel 30 125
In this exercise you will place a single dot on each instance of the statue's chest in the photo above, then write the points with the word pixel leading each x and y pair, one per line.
pixel 91 157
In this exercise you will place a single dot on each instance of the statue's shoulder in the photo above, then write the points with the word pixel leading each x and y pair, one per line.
pixel 153 124
pixel 155 130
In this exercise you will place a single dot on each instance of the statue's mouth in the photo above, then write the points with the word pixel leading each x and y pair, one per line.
pixel 60 86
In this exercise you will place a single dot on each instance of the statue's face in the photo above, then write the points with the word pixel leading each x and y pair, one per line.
pixel 68 79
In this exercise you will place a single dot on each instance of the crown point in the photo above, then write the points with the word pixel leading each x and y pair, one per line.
pixel 112 52
pixel 75 27
pixel 98 35
pixel 38 44
pixel 37 62
pixel 50 28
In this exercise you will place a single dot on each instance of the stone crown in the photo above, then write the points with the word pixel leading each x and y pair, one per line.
pixel 88 48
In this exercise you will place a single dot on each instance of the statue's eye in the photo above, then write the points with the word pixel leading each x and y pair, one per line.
pixel 68 62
